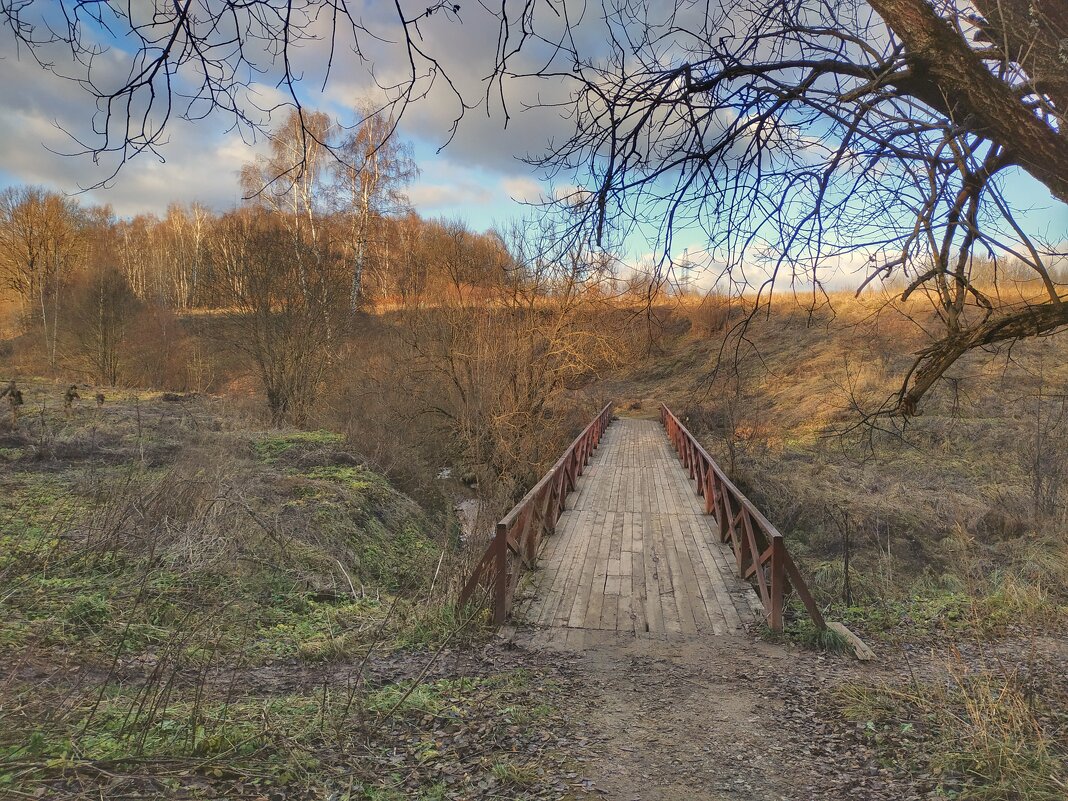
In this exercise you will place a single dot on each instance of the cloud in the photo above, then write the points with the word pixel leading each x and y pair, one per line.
pixel 200 161
pixel 485 197
pixel 431 199
pixel 478 173
pixel 524 190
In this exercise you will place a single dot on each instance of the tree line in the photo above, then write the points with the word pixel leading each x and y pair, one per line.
pixel 796 131
pixel 495 325
pixel 317 241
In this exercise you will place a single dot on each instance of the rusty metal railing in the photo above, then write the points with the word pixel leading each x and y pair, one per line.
pixel 517 537
pixel 759 548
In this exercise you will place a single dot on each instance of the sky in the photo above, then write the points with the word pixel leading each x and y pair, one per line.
pixel 479 176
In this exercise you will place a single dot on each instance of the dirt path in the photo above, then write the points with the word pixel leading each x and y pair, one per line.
pixel 716 718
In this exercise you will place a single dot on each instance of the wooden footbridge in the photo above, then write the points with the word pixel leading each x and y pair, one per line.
pixel 636 529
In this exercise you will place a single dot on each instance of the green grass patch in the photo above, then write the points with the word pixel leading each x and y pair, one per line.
pixel 431 625
pixel 122 726
pixel 352 478
pixel 804 632
pixel 1009 603
pixel 270 448
pixel 511 772
pixel 12 454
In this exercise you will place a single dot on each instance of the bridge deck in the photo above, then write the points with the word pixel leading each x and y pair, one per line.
pixel 634 551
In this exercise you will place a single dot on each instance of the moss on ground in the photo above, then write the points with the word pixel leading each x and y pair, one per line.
pixel 271 447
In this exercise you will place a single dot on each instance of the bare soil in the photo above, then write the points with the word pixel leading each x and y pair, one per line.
pixel 720 718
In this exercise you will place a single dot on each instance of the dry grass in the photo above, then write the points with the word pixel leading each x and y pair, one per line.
pixel 151 568
pixel 968 498
pixel 986 729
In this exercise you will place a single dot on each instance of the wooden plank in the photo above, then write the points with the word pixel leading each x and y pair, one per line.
pixel 665 578
pixel 575 594
pixel 562 590
pixel 576 639
pixel 725 618
pixel 636 596
pixel 712 618
pixel 615 549
pixel 654 610
pixel 571 531
pixel 683 582
pixel 589 585
pixel 746 601
pixel 600 576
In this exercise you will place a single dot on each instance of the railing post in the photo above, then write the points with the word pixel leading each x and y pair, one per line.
pixel 778 581
pixel 500 585
pixel 709 493
pixel 722 510
pixel 742 528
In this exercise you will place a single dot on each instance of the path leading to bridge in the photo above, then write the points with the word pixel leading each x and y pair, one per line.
pixel 634 551
pixel 633 596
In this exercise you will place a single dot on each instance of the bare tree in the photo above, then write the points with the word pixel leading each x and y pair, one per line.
pixel 507 329
pixel 42 244
pixel 290 181
pixel 103 307
pixel 802 136
pixel 284 307
pixel 183 234
pixel 795 134
pixel 137 254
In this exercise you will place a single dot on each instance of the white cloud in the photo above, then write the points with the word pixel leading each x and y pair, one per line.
pixel 479 172
pixel 431 199
pixel 524 190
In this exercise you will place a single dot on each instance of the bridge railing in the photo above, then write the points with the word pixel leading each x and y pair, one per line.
pixel 759 548
pixel 517 537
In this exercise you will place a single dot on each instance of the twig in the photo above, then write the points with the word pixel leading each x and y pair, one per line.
pixel 430 593
pixel 348 578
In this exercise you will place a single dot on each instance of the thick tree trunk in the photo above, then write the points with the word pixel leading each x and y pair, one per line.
pixel 947 74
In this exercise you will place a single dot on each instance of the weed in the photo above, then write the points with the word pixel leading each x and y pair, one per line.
pixel 874 705
pixel 996 740
pixel 426 698
pixel 430 626
pixel 88 612
pixel 512 773
pixel 525 716
pixel 824 639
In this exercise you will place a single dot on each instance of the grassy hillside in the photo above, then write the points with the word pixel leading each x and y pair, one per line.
pixel 968 499
pixel 191 608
